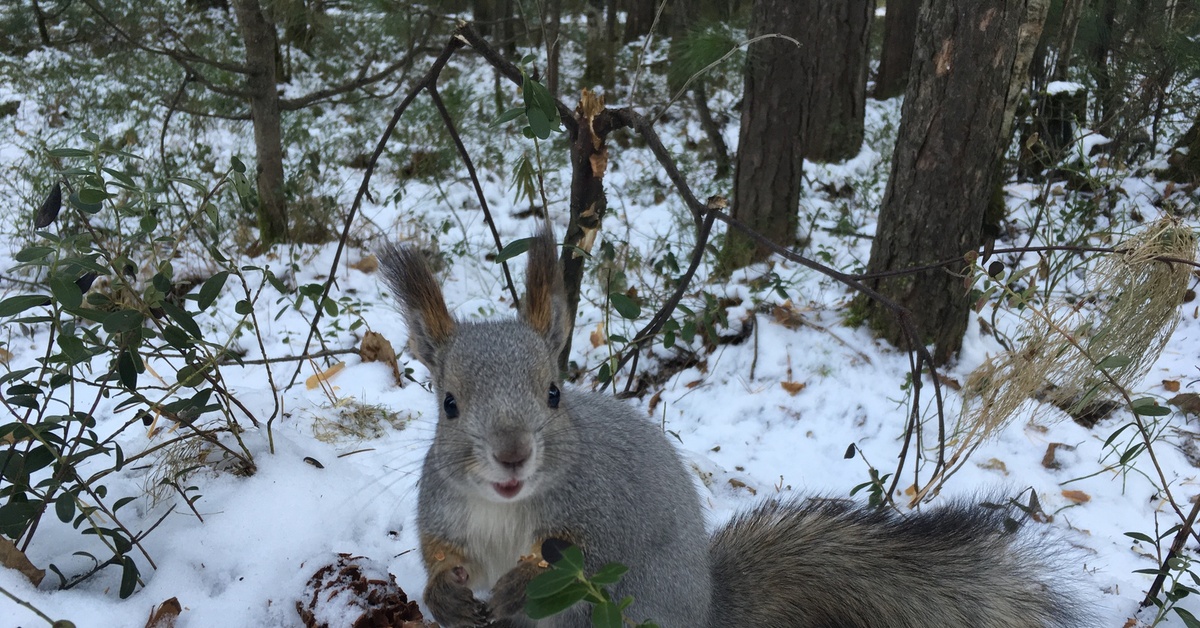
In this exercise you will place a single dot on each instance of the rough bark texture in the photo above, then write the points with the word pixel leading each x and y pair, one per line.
pixel 835 67
pixel 895 59
pixel 589 204
pixel 944 172
pixel 769 167
pixel 258 35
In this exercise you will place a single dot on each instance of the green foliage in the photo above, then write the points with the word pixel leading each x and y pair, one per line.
pixel 101 323
pixel 539 108
pixel 700 47
pixel 565 584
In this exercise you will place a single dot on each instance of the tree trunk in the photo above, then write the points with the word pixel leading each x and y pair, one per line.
pixel 553 15
pixel 258 35
pixel 639 17
pixel 770 166
pixel 895 58
pixel 965 77
pixel 40 18
pixel 1185 163
pixel 599 68
pixel 835 68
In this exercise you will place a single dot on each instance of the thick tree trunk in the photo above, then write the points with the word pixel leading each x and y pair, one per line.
pixel 835 68
pixel 258 35
pixel 944 172
pixel 895 59
pixel 770 165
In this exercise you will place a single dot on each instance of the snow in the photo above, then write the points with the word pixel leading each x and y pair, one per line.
pixel 243 557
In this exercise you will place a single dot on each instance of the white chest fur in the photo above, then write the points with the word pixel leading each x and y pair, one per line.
pixel 498 535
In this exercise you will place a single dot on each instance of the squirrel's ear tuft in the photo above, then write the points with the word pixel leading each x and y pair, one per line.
pixel 429 322
pixel 545 308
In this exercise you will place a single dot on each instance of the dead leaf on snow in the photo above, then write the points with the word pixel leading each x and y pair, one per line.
pixel 1079 497
pixel 1188 403
pixel 376 348
pixel 14 558
pixel 324 376
pixel 793 387
pixel 368 264
pixel 1172 385
pixel 163 615
pixel 597 336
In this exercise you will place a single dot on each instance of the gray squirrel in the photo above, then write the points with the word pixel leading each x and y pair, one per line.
pixel 518 459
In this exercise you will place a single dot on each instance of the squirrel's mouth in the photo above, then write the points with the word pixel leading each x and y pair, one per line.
pixel 509 489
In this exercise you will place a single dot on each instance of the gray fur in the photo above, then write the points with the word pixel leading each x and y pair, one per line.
pixel 595 472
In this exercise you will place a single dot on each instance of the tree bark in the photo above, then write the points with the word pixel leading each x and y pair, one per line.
pixel 553 15
pixel 258 35
pixel 895 58
pixel 966 77
pixel 835 82
pixel 599 68
pixel 639 17
pixel 770 166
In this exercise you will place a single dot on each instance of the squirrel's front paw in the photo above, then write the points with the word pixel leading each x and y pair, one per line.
pixel 452 603
pixel 508 595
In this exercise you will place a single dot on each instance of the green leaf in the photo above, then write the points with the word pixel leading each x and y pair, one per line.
pixel 122 321
pixel 331 306
pixel 538 608
pixel 192 183
pixel 606 615
pixel 70 152
pixel 127 369
pixel 92 196
pixel 66 292
pixel 211 290
pixel 550 582
pixel 243 307
pixel 1113 362
pixel 129 577
pixel 539 124
pixel 572 558
pixel 1140 537
pixel 33 253
pixel 185 320
pixel 1147 406
pixel 513 249
pixel 64 507
pixel 609 574
pixel 15 305
pixel 1188 619
pixel 72 347
pixel 625 306
pixel 507 116
pixel 238 166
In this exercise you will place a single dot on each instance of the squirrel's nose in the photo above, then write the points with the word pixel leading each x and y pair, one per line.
pixel 513 457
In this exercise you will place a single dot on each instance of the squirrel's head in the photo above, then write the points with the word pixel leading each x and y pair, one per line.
pixel 502 421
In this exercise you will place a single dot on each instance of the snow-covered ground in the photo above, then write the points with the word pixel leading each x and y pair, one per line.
pixel 244 555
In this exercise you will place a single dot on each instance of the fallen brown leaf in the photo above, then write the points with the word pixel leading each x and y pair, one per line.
pixel 1172 385
pixel 324 376
pixel 793 387
pixel 740 484
pixel 597 336
pixel 1079 497
pixel 163 615
pixel 14 558
pixel 376 348
pixel 368 264
pixel 1188 403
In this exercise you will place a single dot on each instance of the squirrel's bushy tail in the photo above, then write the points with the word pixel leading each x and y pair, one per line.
pixel 819 563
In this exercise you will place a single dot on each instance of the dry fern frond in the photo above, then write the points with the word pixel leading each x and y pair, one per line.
pixel 1071 357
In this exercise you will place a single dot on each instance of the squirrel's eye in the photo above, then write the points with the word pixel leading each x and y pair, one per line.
pixel 450 406
pixel 552 400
